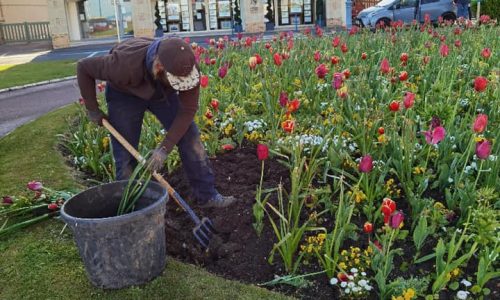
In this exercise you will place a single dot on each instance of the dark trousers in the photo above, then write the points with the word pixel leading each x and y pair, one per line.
pixel 126 113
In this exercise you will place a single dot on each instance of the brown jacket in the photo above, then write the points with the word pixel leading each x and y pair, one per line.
pixel 124 69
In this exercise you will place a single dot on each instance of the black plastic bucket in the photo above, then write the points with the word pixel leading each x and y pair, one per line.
pixel 119 251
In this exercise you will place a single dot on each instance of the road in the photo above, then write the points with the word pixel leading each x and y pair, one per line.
pixel 25 105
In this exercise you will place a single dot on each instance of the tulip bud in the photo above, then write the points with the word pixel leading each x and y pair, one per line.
pixel 480 83
pixel 381 130
pixel 397 220
pixel 214 103
pixel 483 149
pixel 368 227
pixel 366 164
pixel 204 81
pixel 52 206
pixel 35 185
pixel 394 106
pixel 252 62
pixel 7 200
pixel 409 100
pixel 480 123
pixel 262 152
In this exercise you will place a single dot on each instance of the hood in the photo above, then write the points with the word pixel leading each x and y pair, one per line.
pixel 369 10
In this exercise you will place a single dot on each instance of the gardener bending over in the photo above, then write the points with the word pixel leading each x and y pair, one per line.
pixel 160 76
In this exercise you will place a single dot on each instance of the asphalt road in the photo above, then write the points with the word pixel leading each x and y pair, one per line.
pixel 25 105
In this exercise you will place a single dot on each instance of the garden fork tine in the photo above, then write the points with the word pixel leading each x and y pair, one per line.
pixel 204 228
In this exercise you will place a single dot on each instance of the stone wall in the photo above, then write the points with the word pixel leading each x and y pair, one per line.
pixel 143 18
pixel 253 20
pixel 58 23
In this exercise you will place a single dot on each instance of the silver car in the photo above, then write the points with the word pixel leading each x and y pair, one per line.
pixel 387 11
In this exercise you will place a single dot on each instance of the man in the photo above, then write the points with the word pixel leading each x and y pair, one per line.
pixel 160 76
pixel 462 8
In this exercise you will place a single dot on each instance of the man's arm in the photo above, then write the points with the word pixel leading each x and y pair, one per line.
pixel 87 71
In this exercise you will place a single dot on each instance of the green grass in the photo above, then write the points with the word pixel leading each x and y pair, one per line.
pixel 41 263
pixel 37 71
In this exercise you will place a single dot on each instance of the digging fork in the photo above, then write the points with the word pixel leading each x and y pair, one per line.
pixel 204 229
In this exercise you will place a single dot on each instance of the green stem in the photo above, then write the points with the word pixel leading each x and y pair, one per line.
pixel 478 173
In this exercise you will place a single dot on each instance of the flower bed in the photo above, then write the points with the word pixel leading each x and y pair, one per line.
pixel 388 143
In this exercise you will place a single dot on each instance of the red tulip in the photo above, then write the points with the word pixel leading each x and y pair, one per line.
pixel 248 42
pixel 444 50
pixel 388 207
pixel 268 45
pixel 426 59
pixel 277 59
pixel 458 43
pixel 321 71
pixel 381 130
pixel 7 200
pixel 288 125
pixel 336 42
pixel 209 114
pixel 259 59
pixel 52 206
pixel 213 61
pixel 335 60
pixel 347 73
pixel 457 31
pixel 343 48
pixel 317 56
pixel 290 44
pixel 262 152
pixel 480 83
pixel 486 53
pixel 35 185
pixel 409 100
pixel 214 103
pixel 434 136
pixel 204 81
pixel 285 55
pixel 403 75
pixel 404 58
pixel 394 106
pixel 342 277
pixel 397 220
pixel 239 35
pixel 483 149
pixel 384 66
pixel 366 164
pixel 368 227
pixel 293 105
pixel 364 56
pixel 227 147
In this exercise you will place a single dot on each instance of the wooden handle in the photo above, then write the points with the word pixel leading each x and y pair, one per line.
pixel 139 158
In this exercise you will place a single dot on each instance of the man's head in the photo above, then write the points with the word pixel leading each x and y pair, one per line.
pixel 175 63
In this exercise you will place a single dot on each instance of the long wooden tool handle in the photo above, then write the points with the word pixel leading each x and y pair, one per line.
pixel 140 159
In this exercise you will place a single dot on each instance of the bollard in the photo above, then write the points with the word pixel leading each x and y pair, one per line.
pixel 348 12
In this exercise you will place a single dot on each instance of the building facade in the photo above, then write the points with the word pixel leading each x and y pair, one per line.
pixel 74 20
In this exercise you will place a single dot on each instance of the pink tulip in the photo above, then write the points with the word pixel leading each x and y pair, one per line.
pixel 283 99
pixel 35 185
pixel 409 100
pixel 397 220
pixel 434 136
pixel 366 164
pixel 384 66
pixel 262 152
pixel 7 200
pixel 444 50
pixel 321 71
pixel 337 80
pixel 480 123
pixel 223 71
pixel 483 149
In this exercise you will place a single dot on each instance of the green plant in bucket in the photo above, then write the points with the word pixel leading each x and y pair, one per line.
pixel 136 186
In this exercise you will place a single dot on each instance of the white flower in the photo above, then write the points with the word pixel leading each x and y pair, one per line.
pixel 362 282
pixel 363 273
pixel 334 281
pixel 462 295
pixel 356 289
pixel 354 270
pixel 368 287
pixel 343 284
pixel 347 291
pixel 350 277
pixel 351 284
pixel 450 180
pixel 466 282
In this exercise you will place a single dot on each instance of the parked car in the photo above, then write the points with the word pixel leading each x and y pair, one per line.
pixel 387 11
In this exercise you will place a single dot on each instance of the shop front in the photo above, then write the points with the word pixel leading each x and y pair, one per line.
pixel 286 13
pixel 197 15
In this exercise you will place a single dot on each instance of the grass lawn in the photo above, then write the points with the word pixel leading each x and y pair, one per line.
pixel 35 72
pixel 41 263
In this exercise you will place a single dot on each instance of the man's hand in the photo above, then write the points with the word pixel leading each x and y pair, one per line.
pixel 157 159
pixel 96 116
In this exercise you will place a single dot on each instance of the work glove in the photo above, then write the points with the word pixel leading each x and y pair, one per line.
pixel 96 116
pixel 157 159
